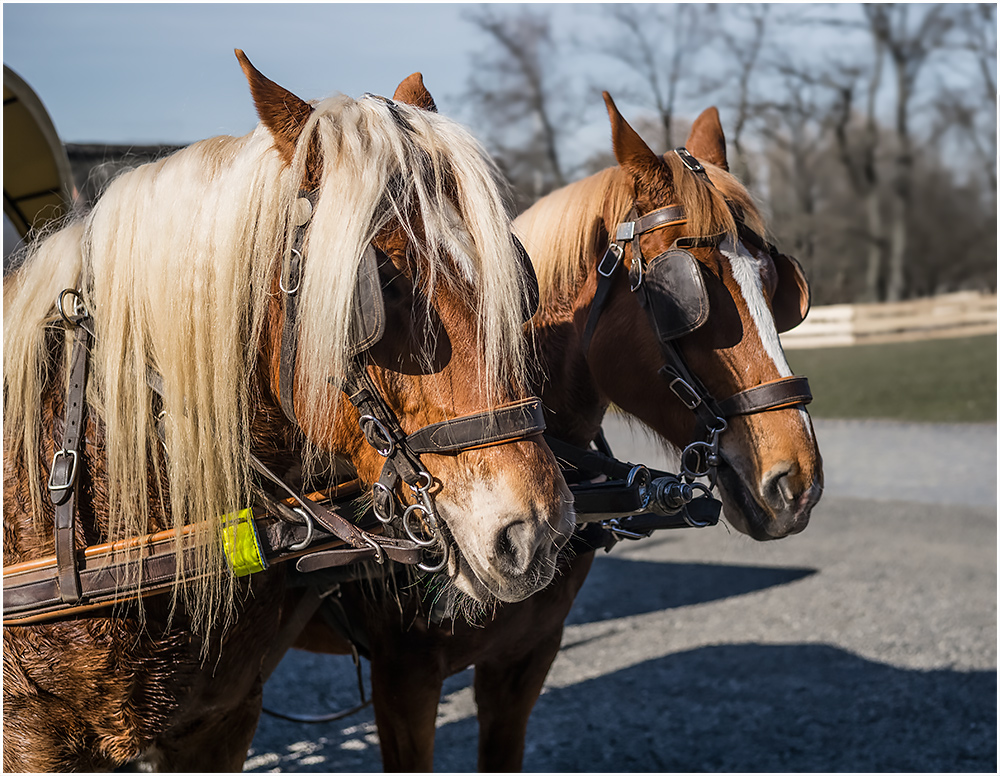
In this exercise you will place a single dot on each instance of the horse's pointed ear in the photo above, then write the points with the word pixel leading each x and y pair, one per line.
pixel 631 150
pixel 707 140
pixel 413 92
pixel 280 111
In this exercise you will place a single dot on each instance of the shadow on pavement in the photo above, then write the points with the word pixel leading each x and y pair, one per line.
pixel 620 587
pixel 753 707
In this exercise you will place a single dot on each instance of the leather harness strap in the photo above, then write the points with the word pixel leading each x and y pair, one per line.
pixel 510 422
pixel 106 571
pixel 289 283
pixel 66 463
pixel 775 395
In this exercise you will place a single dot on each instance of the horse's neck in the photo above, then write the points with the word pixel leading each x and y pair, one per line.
pixel 575 406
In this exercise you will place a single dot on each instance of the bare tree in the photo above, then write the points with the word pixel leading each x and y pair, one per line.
pixel 907 46
pixel 660 44
pixel 857 149
pixel 744 47
pixel 971 113
pixel 512 95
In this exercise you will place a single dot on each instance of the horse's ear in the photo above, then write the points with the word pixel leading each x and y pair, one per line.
pixel 631 151
pixel 413 92
pixel 707 140
pixel 280 111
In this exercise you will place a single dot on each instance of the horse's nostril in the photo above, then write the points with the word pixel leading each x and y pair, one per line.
pixel 777 486
pixel 515 547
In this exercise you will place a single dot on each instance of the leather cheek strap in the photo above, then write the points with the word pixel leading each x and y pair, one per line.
pixel 775 395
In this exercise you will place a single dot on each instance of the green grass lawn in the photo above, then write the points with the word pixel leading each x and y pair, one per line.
pixel 948 380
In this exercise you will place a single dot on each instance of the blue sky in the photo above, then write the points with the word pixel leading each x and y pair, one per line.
pixel 143 73
pixel 147 73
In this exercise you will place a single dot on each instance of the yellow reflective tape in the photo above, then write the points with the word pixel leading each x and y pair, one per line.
pixel 241 543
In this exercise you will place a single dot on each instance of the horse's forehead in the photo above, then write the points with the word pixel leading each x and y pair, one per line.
pixel 747 286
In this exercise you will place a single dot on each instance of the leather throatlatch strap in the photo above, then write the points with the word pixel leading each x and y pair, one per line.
pixel 66 464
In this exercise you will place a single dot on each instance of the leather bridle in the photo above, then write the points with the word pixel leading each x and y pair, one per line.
pixel 700 458
pixel 509 422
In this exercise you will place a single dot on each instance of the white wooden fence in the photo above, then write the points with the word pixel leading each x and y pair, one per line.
pixel 963 314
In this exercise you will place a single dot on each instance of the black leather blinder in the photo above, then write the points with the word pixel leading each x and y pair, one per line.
pixel 531 281
pixel 368 317
pixel 672 291
pixel 792 297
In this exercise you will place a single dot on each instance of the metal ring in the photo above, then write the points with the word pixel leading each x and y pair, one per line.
pixel 690 449
pixel 640 473
pixel 309 530
pixel 298 275
pixel 390 497
pixel 79 309
pixel 390 444
pixel 409 531
pixel 687 515
pixel 445 555
pixel 428 481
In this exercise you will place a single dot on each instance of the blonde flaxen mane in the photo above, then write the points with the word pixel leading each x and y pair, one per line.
pixel 177 262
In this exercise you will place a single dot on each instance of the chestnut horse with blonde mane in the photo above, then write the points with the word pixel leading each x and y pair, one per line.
pixel 767 464
pixel 181 280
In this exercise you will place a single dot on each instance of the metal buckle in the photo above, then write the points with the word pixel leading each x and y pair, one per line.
pixel 625 231
pixel 639 272
pixel 623 533
pixel 615 252
pixel 389 498
pixel 689 161
pixel 70 479
pixel 683 391
pixel 379 555
pixel 390 445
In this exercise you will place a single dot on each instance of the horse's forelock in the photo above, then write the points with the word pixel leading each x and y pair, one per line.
pixel 387 163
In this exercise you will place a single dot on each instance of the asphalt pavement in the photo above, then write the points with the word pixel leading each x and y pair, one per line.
pixel 865 643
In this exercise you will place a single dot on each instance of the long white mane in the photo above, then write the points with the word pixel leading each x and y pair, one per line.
pixel 177 262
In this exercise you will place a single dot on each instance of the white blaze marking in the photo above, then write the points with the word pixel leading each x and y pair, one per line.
pixel 747 275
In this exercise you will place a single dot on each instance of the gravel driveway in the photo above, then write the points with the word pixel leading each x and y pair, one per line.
pixel 866 643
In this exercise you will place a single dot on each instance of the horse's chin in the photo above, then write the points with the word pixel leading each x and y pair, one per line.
pixel 487 589
pixel 745 513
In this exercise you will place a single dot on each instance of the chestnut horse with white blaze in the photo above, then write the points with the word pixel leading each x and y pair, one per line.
pixel 659 293
pixel 213 315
